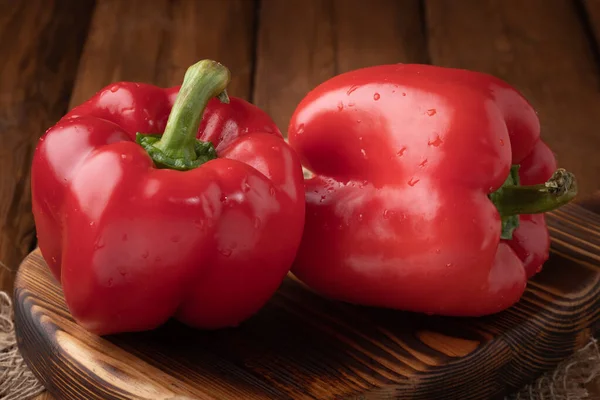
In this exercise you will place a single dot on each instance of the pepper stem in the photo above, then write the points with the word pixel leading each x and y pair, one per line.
pixel 178 147
pixel 512 199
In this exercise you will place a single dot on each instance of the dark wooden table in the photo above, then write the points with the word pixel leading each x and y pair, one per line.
pixel 55 54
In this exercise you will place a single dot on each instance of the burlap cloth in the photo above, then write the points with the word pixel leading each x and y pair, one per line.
pixel 570 381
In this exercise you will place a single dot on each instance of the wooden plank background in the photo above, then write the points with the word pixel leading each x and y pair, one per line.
pixel 56 53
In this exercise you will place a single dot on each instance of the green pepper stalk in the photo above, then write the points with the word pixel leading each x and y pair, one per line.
pixel 512 199
pixel 177 148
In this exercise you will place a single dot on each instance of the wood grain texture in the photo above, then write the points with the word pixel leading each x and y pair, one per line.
pixel 44 396
pixel 326 37
pixel 130 41
pixel 542 48
pixel 301 346
pixel 592 202
pixel 40 43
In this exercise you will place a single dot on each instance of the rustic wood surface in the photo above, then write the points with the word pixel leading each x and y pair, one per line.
pixel 44 396
pixel 128 41
pixel 301 346
pixel 40 43
pixel 56 53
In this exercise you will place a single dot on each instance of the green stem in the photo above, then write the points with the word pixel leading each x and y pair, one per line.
pixel 512 199
pixel 178 147
pixel 560 189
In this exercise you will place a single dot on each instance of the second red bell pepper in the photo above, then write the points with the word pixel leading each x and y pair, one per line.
pixel 185 223
pixel 428 192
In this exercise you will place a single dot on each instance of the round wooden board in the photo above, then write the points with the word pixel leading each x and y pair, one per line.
pixel 301 346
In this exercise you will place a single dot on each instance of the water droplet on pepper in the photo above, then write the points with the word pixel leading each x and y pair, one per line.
pixel 225 252
pixel 198 224
pixel 413 181
pixel 99 244
pixel 245 186
pixel 435 142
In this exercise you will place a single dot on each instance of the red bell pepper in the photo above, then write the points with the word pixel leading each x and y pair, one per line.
pixel 428 190
pixel 185 223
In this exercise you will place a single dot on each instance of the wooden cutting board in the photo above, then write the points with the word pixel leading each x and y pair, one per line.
pixel 301 346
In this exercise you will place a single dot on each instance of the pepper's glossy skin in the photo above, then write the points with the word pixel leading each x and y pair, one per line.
pixel 398 214
pixel 133 245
